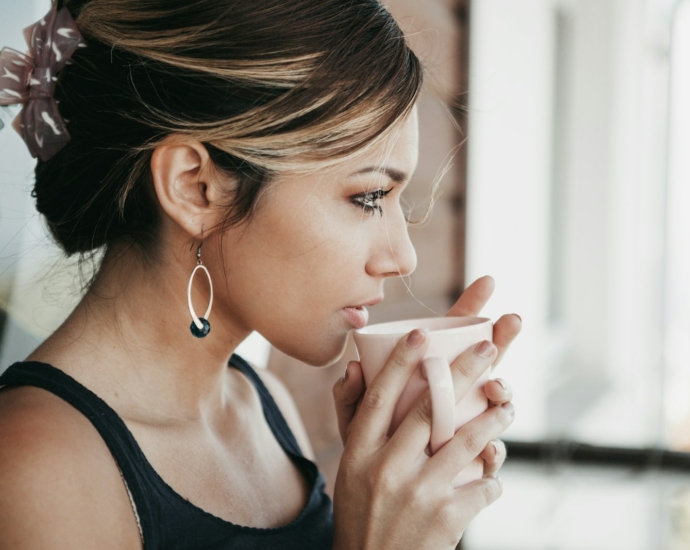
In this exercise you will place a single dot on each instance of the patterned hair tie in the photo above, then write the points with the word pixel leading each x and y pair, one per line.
pixel 29 80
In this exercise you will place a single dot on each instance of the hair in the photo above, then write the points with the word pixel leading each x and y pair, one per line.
pixel 266 86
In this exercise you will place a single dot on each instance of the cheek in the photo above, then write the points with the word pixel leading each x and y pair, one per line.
pixel 317 253
pixel 290 275
pixel 298 311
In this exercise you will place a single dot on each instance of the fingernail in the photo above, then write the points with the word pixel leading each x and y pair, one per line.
pixel 501 383
pixel 516 315
pixel 493 444
pixel 500 481
pixel 485 349
pixel 415 338
pixel 508 407
pixel 347 372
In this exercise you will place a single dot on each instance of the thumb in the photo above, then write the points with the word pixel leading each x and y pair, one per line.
pixel 347 393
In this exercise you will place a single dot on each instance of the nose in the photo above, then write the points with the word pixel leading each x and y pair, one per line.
pixel 393 254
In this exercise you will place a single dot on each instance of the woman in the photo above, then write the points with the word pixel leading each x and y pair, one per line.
pixel 269 143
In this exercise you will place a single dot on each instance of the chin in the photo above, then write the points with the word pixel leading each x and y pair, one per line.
pixel 323 353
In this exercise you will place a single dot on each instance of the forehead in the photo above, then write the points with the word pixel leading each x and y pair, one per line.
pixel 399 151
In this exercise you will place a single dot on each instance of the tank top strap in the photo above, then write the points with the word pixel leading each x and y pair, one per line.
pixel 120 441
pixel 274 417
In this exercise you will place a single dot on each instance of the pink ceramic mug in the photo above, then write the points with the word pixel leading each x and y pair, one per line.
pixel 448 338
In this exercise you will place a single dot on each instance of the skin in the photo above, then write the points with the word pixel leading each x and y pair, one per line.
pixel 308 251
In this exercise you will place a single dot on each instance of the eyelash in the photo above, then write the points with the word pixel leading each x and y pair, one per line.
pixel 367 201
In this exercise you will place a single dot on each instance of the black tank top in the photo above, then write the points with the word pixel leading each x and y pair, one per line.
pixel 166 520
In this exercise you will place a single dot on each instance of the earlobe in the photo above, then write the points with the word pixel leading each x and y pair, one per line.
pixel 182 182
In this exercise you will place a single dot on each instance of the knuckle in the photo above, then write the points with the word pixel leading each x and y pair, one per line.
pixel 375 398
pixel 489 492
pixel 483 494
pixel 472 442
pixel 463 366
pixel 450 519
pixel 469 366
pixel 400 357
pixel 383 481
pixel 419 495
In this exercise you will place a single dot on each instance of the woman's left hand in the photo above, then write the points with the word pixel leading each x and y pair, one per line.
pixel 349 390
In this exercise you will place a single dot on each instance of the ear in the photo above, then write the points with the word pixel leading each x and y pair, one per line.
pixel 186 184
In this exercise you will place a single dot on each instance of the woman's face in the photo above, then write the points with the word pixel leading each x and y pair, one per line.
pixel 318 249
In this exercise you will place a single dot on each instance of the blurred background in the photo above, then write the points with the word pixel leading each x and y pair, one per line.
pixel 570 187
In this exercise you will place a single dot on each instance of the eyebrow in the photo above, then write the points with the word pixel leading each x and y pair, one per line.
pixel 396 175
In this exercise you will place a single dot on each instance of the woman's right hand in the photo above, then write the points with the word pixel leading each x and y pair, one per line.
pixel 388 493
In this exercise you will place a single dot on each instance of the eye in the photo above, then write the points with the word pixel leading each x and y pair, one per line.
pixel 369 202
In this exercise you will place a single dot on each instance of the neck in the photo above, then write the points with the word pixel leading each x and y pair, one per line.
pixel 130 337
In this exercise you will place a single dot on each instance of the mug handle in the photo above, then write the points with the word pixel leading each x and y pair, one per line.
pixel 440 381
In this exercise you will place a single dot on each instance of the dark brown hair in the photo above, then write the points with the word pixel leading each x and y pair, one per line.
pixel 266 86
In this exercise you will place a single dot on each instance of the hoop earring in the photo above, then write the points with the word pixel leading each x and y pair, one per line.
pixel 200 327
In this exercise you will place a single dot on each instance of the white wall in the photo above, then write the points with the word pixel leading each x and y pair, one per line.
pixel 509 165
pixel 615 228
pixel 589 364
pixel 678 275
pixel 576 370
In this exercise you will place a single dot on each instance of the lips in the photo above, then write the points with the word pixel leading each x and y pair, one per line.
pixel 358 316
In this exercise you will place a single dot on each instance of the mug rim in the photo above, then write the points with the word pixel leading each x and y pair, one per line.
pixel 366 331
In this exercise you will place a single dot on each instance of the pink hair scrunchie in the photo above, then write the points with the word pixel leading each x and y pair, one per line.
pixel 29 80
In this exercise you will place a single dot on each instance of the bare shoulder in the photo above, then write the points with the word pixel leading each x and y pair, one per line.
pixel 61 488
pixel 287 406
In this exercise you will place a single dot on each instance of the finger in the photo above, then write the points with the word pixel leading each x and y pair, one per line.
pixel 473 300
pixel 472 498
pixel 469 442
pixel 347 393
pixel 506 330
pixel 498 391
pixel 494 455
pixel 440 379
pixel 370 424
pixel 470 365
pixel 414 432
pixel 413 436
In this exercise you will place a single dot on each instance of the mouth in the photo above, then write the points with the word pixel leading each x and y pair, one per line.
pixel 358 316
